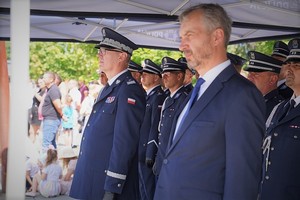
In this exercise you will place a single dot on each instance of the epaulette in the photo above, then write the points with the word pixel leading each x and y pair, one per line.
pixel 130 82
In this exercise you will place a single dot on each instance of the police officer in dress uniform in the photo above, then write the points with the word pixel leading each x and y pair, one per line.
pixel 173 77
pixel 280 52
pixel 107 164
pixel 263 72
pixel 237 61
pixel 281 175
pixel 189 73
pixel 151 79
pixel 135 70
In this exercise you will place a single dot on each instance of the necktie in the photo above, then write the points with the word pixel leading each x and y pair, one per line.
pixel 287 109
pixel 191 102
pixel 195 92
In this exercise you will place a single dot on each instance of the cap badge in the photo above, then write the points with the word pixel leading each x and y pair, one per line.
pixel 295 44
pixel 252 56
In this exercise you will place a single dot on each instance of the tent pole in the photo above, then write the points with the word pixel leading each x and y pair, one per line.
pixel 20 26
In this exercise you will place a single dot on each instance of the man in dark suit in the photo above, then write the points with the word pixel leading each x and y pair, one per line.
pixel 173 77
pixel 281 176
pixel 215 148
pixel 107 164
pixel 264 71
pixel 151 79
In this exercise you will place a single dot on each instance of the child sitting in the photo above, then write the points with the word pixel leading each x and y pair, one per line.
pixel 32 169
pixel 69 159
pixel 48 182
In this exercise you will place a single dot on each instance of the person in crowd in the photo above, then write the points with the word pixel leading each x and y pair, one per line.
pixel 69 160
pixel 173 77
pixel 264 71
pixel 51 111
pixel 68 121
pixel 135 70
pixel 63 88
pixel 107 166
pixel 48 182
pixel 236 61
pixel 280 52
pixel 32 169
pixel 189 73
pixel 281 176
pixel 34 119
pixel 151 79
pixel 82 88
pixel 215 147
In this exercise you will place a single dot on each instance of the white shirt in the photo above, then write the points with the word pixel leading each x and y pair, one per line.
pixel 209 77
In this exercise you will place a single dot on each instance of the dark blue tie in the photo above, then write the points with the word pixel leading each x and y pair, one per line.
pixel 195 92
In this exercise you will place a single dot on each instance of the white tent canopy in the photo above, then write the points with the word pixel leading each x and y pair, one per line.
pixel 151 23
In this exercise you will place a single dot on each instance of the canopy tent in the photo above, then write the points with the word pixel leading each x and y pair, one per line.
pixel 152 23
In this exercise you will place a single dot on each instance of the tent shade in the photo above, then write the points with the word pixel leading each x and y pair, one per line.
pixel 152 24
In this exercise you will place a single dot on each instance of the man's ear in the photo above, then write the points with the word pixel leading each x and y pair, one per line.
pixel 218 37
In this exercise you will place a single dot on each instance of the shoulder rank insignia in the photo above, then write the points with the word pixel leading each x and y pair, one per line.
pixel 130 82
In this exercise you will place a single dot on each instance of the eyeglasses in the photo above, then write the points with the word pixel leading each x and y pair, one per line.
pixel 104 50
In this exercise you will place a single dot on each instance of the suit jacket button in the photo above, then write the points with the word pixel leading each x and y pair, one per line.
pixel 165 161
pixel 119 185
pixel 275 134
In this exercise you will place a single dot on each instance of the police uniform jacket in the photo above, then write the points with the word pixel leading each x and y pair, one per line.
pixel 272 99
pixel 285 91
pixel 149 129
pixel 216 153
pixel 189 87
pixel 170 107
pixel 281 175
pixel 108 154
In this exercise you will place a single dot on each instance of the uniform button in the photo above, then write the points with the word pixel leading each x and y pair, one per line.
pixel 269 162
pixel 295 136
pixel 267 177
pixel 170 115
pixel 165 161
pixel 163 115
pixel 144 144
pixel 94 111
pixel 161 124
pixel 119 185
pixel 82 138
pixel 272 148
pixel 102 110
pixel 275 134
pixel 80 152
pixel 88 125
pixel 159 143
pixel 159 134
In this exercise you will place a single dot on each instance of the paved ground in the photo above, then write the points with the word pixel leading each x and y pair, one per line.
pixel 39 197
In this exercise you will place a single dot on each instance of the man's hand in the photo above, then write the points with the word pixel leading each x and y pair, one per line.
pixel 110 196
pixel 149 162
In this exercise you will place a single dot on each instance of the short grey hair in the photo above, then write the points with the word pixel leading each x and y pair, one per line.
pixel 214 17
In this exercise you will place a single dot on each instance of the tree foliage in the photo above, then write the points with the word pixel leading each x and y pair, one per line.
pixel 80 60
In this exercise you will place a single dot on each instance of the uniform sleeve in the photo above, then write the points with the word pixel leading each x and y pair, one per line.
pixel 152 144
pixel 129 115
pixel 244 130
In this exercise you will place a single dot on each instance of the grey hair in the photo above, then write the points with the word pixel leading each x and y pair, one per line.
pixel 214 17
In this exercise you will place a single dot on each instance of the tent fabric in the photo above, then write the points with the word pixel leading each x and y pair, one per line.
pixel 151 23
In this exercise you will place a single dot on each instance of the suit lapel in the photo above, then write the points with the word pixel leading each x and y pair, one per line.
pixel 199 105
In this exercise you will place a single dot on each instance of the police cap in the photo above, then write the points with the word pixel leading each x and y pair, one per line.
pixel 113 39
pixel 294 46
pixel 261 63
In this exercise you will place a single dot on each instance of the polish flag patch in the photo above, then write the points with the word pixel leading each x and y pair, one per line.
pixel 131 101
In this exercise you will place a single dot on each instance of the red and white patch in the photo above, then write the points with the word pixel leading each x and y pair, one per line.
pixel 131 101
